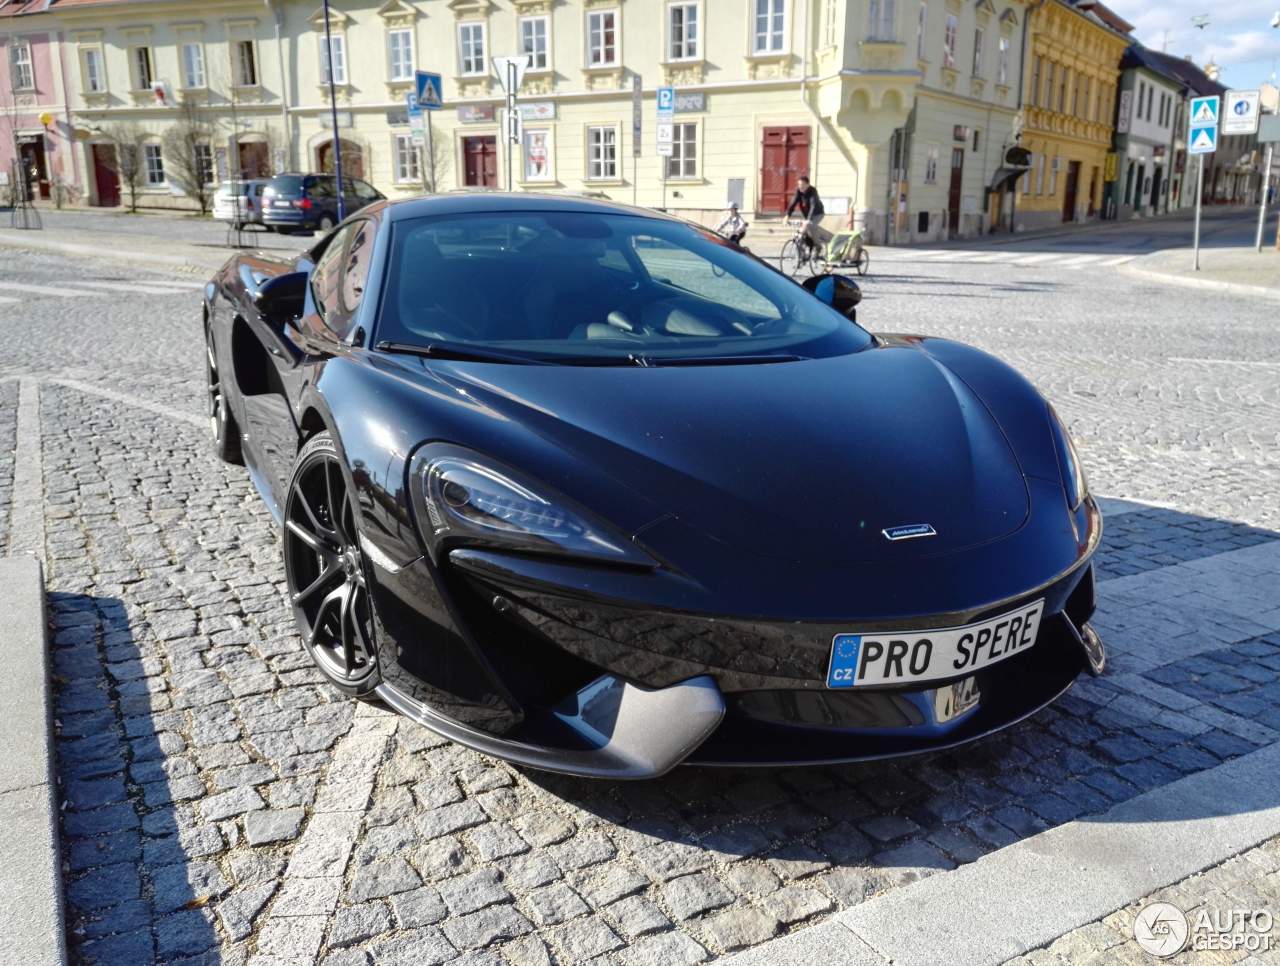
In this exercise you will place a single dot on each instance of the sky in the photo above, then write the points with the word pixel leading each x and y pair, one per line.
pixel 1239 37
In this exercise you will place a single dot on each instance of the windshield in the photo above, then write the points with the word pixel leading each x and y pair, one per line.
pixel 286 184
pixel 586 287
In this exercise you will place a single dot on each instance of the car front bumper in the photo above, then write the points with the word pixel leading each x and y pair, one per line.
pixel 502 655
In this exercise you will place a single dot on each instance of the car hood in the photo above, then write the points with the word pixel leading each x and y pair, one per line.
pixel 808 460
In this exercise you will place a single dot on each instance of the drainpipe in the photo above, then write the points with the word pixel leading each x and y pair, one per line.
pixel 804 94
pixel 1022 84
pixel 278 11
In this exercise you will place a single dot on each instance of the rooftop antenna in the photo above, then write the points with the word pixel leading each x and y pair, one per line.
pixel 1165 45
pixel 1200 21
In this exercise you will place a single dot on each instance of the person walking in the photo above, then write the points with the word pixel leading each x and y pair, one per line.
pixel 810 207
pixel 734 226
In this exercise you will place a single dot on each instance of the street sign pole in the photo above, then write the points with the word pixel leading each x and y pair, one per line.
pixel 1199 193
pixel 512 83
pixel 1262 202
pixel 431 153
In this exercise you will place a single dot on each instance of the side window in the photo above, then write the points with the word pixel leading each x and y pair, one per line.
pixel 327 275
pixel 355 271
pixel 367 191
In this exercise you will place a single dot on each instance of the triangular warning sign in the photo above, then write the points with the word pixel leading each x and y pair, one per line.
pixel 1202 139
pixel 430 96
pixel 1204 113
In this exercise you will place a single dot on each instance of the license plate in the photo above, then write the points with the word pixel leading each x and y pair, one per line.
pixel 896 657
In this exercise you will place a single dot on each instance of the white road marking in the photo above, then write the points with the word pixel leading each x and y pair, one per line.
pixel 1226 362
pixel 4 299
pixel 41 289
pixel 1079 261
pixel 149 288
pixel 1035 259
pixel 1116 261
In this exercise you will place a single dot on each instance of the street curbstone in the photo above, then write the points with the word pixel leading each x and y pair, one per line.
pixel 31 917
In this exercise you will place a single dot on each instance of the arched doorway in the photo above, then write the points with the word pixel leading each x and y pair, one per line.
pixel 352 159
pixel 254 157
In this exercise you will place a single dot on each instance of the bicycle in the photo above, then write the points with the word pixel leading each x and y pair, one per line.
pixel 799 252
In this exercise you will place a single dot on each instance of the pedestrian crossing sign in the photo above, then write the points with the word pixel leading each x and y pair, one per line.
pixel 430 92
pixel 1202 140
pixel 1204 111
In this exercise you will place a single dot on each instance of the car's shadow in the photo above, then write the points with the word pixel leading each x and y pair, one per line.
pixel 845 832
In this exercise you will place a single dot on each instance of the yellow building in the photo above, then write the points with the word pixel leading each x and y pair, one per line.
pixel 1072 72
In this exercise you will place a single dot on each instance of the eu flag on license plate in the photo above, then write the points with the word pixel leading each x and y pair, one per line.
pixel 844 660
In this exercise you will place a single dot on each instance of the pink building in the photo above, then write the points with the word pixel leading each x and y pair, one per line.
pixel 35 127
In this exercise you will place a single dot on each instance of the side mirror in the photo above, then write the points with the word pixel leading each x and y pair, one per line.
pixel 280 298
pixel 839 291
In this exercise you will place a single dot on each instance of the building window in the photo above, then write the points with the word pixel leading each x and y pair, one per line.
pixel 23 76
pixel 1062 90
pixel 533 41
pixel 406 160
pixel 471 48
pixel 1035 80
pixel 333 59
pixel 978 38
pixel 602 153
pixel 537 155
pixel 1040 174
pixel 880 21
pixel 1047 100
pixel 1088 97
pixel 768 26
pixel 400 54
pixel 1075 96
pixel 602 38
pixel 246 64
pixel 1053 177
pixel 977 138
pixel 153 163
pixel 142 68
pixel 922 25
pixel 829 22
pixel 204 163
pixel 949 41
pixel 682 31
pixel 683 162
pixel 1028 176
pixel 95 79
pixel 931 165
pixel 1002 60
pixel 192 65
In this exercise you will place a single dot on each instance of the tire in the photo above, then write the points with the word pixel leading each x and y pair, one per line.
pixel 325 224
pixel 226 433
pixel 789 260
pixel 862 262
pixel 325 571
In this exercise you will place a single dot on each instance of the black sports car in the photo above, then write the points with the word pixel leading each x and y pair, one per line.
pixel 590 489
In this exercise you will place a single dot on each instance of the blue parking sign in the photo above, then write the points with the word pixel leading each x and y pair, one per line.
pixel 430 91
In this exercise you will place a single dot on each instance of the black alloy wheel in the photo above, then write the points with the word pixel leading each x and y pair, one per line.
pixel 326 223
pixel 324 570
pixel 226 434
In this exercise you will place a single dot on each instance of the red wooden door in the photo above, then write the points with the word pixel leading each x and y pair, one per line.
pixel 480 161
pixel 104 175
pixel 957 183
pixel 784 157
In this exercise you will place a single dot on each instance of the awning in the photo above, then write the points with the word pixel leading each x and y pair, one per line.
pixel 1005 177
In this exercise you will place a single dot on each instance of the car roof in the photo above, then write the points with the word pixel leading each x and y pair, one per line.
pixel 491 201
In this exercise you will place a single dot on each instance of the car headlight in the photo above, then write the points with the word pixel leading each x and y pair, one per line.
pixel 1069 465
pixel 463 498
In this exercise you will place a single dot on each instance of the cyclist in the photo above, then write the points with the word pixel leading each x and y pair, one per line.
pixel 810 206
pixel 734 226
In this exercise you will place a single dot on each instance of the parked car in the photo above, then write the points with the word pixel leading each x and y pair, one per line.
pixel 309 202
pixel 240 202
pixel 591 489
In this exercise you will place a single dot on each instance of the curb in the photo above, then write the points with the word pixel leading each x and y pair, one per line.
pixel 1030 893
pixel 31 917
pixel 113 246
pixel 1230 288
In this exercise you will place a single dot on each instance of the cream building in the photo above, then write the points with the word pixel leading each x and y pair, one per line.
pixel 766 90
pixel 953 175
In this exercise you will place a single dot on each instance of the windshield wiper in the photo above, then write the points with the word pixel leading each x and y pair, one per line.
pixel 447 350
pixel 647 362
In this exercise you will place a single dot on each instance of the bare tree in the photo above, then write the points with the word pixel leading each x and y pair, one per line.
pixel 437 159
pixel 127 160
pixel 188 152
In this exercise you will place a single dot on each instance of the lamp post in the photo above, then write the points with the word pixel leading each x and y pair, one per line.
pixel 333 116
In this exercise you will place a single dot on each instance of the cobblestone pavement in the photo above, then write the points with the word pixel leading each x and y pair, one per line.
pixel 223 804
pixel 1249 881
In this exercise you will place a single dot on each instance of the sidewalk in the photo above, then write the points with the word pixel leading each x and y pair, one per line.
pixel 1238 271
